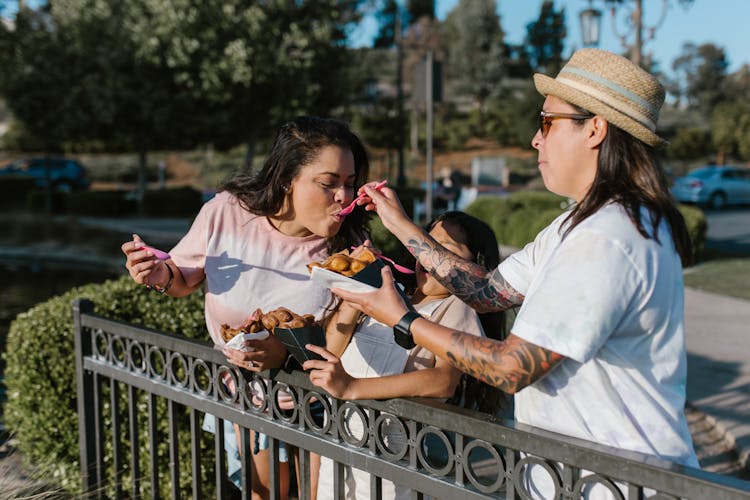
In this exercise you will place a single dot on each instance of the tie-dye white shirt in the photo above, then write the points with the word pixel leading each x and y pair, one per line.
pixel 248 264
pixel 611 302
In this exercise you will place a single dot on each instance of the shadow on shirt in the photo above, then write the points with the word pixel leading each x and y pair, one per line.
pixel 226 271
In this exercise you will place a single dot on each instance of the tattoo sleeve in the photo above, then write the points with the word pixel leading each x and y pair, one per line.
pixel 509 365
pixel 484 290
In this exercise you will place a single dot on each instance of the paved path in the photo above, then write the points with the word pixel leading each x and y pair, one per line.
pixel 718 343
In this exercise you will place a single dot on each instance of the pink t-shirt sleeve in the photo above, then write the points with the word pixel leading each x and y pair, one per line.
pixel 190 253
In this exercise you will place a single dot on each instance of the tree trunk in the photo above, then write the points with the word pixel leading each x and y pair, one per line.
pixel 142 179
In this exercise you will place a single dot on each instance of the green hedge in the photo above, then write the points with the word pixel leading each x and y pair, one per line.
pixel 100 203
pixel 14 190
pixel 697 228
pixel 174 202
pixel 40 378
pixel 518 218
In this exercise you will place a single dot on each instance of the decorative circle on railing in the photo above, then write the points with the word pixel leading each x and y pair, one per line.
pixel 286 391
pixel 519 480
pixel 136 357
pixel 390 433
pixel 316 399
pixel 101 344
pixel 427 458
pixel 347 425
pixel 156 364
pixel 119 352
pixel 178 369
pixel 255 392
pixel 587 483
pixel 475 468
pixel 200 373
pixel 221 387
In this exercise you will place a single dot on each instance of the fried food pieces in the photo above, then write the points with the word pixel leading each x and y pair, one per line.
pixel 281 317
pixel 345 263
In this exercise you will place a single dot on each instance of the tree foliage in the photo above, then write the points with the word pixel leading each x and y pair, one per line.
pixel 158 73
pixel 419 9
pixel 545 39
pixel 701 70
pixel 475 50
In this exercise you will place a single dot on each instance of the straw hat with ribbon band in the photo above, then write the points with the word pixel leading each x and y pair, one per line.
pixel 612 87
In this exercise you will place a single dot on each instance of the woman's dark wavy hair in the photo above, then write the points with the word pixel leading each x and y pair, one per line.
pixel 482 243
pixel 628 173
pixel 297 144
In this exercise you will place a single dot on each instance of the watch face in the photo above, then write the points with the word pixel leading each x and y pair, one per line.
pixel 403 337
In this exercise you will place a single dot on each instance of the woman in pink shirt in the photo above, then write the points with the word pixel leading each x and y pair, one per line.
pixel 250 245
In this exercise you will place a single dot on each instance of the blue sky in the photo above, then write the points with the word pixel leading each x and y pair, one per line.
pixel 721 22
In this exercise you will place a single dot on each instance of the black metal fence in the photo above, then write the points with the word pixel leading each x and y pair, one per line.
pixel 142 395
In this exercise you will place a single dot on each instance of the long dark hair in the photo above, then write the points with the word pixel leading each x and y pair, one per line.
pixel 628 173
pixel 482 243
pixel 297 144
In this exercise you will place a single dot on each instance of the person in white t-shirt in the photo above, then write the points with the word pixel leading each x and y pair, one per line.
pixel 597 350
pixel 374 366
pixel 250 245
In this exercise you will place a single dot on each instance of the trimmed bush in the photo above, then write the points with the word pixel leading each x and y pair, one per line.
pixel 99 203
pixel 40 377
pixel 176 202
pixel 14 190
pixel 518 218
pixel 697 227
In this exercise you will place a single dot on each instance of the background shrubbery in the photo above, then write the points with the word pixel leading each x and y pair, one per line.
pixel 40 375
pixel 21 193
pixel 518 218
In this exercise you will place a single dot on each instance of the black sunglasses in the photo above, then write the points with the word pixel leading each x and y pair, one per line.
pixel 546 118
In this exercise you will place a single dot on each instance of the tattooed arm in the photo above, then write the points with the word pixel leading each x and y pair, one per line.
pixel 509 365
pixel 483 290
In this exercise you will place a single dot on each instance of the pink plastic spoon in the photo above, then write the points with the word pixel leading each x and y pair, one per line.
pixel 157 253
pixel 350 208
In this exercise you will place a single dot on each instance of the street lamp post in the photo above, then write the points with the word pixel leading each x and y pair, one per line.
pixel 591 27
pixel 591 21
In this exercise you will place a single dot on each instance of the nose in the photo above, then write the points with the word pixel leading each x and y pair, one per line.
pixel 342 195
pixel 537 139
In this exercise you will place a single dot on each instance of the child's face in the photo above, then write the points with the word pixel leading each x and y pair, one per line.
pixel 449 236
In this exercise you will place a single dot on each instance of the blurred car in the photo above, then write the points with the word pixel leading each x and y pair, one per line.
pixel 64 174
pixel 714 186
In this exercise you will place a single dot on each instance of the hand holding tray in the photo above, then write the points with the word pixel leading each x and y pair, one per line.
pixel 295 339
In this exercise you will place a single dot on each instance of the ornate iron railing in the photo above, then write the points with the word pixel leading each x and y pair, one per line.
pixel 126 372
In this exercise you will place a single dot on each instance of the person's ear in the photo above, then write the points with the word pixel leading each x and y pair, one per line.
pixel 597 131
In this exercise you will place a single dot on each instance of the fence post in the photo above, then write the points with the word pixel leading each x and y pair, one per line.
pixel 85 396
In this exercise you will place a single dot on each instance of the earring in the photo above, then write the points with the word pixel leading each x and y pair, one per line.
pixel 286 188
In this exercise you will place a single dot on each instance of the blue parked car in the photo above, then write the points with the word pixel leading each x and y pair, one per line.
pixel 714 186
pixel 64 174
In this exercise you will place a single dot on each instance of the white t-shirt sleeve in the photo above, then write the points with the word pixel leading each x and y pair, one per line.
pixel 519 268
pixel 578 296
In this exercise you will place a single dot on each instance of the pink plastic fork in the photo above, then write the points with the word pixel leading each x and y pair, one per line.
pixel 350 208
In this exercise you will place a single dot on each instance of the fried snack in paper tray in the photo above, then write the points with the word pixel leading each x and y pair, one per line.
pixel 358 271
pixel 259 325
pixel 345 263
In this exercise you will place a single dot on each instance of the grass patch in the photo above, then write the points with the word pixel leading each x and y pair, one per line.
pixel 726 277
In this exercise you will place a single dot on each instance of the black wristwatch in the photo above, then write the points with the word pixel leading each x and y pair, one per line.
pixel 401 333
